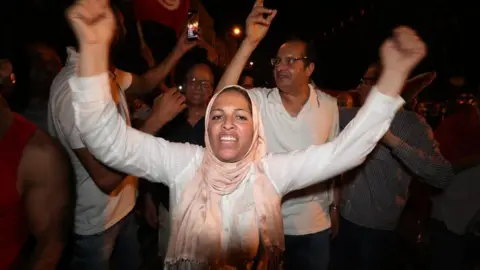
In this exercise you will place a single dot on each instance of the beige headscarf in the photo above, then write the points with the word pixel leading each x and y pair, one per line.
pixel 197 223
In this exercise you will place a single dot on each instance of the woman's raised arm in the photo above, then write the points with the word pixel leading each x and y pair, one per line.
pixel 119 146
pixel 299 169
pixel 102 129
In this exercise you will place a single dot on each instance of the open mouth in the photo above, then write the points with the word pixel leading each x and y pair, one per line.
pixel 228 139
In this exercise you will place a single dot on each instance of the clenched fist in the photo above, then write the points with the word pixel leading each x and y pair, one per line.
pixel 92 21
pixel 258 22
pixel 403 51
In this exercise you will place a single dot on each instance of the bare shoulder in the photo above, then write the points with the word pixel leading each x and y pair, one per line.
pixel 43 159
pixel 41 145
pixel 124 78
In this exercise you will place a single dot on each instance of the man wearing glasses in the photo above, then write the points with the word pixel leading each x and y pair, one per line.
pixel 295 116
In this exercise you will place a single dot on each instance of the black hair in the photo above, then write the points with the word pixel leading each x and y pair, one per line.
pixel 310 51
pixel 247 73
pixel 377 66
pixel 196 63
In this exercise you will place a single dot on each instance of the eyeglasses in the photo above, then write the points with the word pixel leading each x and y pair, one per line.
pixel 202 84
pixel 288 60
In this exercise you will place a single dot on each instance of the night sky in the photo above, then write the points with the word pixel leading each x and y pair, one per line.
pixel 347 34
pixel 345 51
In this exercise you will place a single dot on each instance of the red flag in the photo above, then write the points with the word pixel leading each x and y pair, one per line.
pixel 171 13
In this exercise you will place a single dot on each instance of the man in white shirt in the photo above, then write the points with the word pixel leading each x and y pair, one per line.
pixel 104 220
pixel 295 115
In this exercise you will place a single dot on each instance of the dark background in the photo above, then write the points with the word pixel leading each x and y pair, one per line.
pixel 448 27
pixel 347 34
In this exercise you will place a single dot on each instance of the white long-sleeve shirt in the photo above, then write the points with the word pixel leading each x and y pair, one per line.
pixel 121 147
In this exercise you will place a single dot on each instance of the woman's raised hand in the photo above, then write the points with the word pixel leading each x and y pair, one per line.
pixel 92 21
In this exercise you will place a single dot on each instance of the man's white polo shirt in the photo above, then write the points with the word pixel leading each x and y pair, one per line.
pixel 306 211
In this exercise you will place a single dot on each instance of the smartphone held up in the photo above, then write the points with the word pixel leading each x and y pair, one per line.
pixel 192 25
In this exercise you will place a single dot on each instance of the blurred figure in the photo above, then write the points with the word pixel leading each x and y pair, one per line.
pixel 40 67
pixel 345 100
pixel 456 211
pixel 7 78
pixel 105 224
pixel 374 194
pixel 414 86
pixel 247 80
pixel 34 193
pixel 368 80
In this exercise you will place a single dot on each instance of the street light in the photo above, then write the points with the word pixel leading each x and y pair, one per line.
pixel 236 31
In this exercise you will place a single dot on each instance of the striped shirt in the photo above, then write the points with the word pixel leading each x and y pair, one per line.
pixel 374 194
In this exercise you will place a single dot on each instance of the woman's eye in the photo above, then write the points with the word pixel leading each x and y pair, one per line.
pixel 242 118
pixel 216 117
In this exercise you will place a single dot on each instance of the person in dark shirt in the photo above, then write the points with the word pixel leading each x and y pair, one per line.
pixel 189 125
pixel 374 194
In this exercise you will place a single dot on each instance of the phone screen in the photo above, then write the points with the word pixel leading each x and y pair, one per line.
pixel 192 25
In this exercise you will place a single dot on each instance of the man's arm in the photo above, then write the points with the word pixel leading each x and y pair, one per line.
pixel 419 152
pixel 143 84
pixel 105 178
pixel 153 124
pixel 165 108
pixel 256 29
pixel 449 135
pixel 45 187
pixel 235 68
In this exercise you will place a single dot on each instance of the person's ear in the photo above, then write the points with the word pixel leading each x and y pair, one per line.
pixel 310 68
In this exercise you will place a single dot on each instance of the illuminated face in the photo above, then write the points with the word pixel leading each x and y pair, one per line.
pixel 230 126
pixel 290 70
pixel 199 85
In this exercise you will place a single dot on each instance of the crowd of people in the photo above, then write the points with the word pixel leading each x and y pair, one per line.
pixel 227 176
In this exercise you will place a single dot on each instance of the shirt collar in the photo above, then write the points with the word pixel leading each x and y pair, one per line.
pixel 273 96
